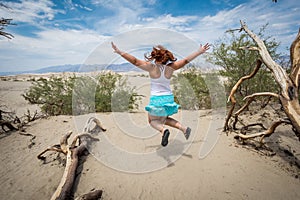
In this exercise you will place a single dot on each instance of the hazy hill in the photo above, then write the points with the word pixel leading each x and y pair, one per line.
pixel 124 67
pixel 77 68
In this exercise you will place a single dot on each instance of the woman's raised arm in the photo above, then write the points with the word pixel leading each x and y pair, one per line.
pixel 144 65
pixel 180 63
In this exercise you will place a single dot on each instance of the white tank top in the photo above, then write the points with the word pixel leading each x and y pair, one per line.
pixel 161 85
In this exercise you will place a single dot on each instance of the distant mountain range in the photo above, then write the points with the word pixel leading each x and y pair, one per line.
pixel 77 68
pixel 124 67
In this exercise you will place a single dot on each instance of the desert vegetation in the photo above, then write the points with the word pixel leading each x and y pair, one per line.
pixel 237 62
pixel 195 90
pixel 106 92
pixel 287 89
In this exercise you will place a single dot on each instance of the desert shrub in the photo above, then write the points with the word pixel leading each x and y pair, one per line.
pixel 81 95
pixel 124 97
pixel 106 85
pixel 84 95
pixel 54 95
pixel 190 90
pixel 114 94
pixel 237 62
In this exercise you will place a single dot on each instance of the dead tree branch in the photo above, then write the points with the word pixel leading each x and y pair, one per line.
pixel 8 125
pixel 279 74
pixel 93 195
pixel 289 85
pixel 261 94
pixel 250 48
pixel 250 98
pixel 73 152
pixel 3 24
pixel 295 59
pixel 8 120
pixel 262 134
pixel 231 97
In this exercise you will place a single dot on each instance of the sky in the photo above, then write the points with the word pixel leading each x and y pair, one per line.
pixel 58 32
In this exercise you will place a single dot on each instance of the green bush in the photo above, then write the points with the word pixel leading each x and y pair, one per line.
pixel 80 95
pixel 83 97
pixel 237 62
pixel 193 90
pixel 114 94
pixel 124 97
pixel 53 94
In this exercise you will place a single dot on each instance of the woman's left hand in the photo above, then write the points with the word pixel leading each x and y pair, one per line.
pixel 204 48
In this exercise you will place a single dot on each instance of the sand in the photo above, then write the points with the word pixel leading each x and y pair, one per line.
pixel 129 163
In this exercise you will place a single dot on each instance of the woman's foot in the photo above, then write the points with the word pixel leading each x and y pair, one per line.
pixel 187 133
pixel 165 138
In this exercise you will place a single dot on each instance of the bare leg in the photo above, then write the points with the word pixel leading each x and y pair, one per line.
pixel 157 122
pixel 175 124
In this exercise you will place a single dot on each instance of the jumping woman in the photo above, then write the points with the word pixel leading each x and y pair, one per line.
pixel 160 64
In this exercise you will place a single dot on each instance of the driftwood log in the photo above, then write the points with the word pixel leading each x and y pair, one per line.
pixel 289 87
pixel 73 151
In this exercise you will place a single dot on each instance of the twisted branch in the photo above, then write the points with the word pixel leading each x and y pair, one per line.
pixel 295 60
pixel 263 134
pixel 233 91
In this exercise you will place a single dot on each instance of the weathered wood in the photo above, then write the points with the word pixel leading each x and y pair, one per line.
pixel 250 98
pixel 72 152
pixel 289 90
pixel 279 73
pixel 231 97
pixel 64 142
pixel 295 60
pixel 4 123
pixel 52 148
pixel 98 125
pixel 93 195
pixel 262 134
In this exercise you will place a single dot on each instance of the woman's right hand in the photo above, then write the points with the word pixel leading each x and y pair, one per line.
pixel 115 48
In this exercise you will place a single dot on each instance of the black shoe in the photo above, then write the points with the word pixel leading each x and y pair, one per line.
pixel 165 137
pixel 187 133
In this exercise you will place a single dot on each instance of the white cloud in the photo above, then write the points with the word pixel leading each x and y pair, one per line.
pixel 178 23
pixel 140 41
pixel 55 46
pixel 223 17
pixel 51 47
pixel 283 21
pixel 29 11
pixel 169 20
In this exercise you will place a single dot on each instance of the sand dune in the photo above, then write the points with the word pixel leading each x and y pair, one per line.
pixel 129 163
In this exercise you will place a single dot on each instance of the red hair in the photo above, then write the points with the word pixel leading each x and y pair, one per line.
pixel 160 54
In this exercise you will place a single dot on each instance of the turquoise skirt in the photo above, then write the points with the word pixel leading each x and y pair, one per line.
pixel 162 106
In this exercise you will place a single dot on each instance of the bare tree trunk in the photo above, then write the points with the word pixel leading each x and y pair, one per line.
pixel 289 84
